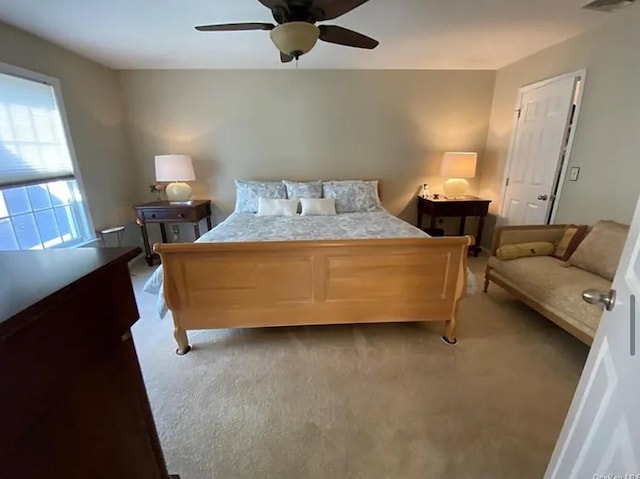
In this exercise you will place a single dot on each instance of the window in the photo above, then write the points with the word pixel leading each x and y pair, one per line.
pixel 41 204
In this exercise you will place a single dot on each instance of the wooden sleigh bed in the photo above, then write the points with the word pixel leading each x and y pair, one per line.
pixel 262 284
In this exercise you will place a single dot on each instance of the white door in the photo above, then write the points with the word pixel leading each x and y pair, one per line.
pixel 537 150
pixel 601 435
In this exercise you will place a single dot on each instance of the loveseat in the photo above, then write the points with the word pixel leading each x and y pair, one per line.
pixel 554 286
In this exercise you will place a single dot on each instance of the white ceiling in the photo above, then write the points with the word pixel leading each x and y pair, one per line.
pixel 414 34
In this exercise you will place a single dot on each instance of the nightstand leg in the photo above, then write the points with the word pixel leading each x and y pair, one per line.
pixel 163 232
pixel 463 223
pixel 208 222
pixel 477 248
pixel 196 229
pixel 148 256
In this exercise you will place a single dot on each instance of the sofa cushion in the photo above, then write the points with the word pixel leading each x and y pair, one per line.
pixel 559 288
pixel 600 251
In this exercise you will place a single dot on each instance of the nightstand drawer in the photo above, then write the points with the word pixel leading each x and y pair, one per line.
pixel 460 209
pixel 480 209
pixel 173 214
pixel 451 209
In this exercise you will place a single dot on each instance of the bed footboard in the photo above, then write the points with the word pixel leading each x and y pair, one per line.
pixel 262 284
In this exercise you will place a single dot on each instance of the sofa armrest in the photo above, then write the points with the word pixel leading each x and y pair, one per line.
pixel 505 235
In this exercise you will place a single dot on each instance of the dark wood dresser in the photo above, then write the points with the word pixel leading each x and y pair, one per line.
pixel 72 400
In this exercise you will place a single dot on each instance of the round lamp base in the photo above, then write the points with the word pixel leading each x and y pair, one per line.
pixel 178 192
pixel 455 187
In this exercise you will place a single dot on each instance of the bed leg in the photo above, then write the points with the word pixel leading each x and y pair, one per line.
pixel 450 332
pixel 182 340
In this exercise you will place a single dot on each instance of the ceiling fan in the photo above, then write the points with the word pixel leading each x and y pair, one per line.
pixel 296 32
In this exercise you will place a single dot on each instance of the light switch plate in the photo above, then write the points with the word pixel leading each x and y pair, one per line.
pixel 574 174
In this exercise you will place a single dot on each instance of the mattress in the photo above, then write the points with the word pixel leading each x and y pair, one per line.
pixel 246 227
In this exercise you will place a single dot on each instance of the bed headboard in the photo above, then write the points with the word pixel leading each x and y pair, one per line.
pixel 379 188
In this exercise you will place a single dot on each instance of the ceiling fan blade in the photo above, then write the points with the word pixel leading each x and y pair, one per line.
pixel 334 8
pixel 271 4
pixel 344 36
pixel 235 27
pixel 284 58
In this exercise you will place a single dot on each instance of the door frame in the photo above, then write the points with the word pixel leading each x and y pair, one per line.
pixel 578 75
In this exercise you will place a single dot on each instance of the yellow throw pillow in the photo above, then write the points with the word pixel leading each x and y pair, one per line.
pixel 524 250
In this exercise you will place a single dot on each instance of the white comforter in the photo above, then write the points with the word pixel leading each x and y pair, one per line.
pixel 242 227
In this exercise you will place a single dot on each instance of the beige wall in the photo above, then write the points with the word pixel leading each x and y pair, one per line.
pixel 392 125
pixel 607 141
pixel 94 108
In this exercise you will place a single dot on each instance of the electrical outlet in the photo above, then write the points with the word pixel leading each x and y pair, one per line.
pixel 175 231
pixel 574 173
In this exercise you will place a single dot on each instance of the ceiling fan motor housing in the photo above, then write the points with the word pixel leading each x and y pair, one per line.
pixel 294 12
pixel 295 38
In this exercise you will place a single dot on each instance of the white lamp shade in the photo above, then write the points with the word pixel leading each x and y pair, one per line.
pixel 174 168
pixel 459 165
pixel 295 38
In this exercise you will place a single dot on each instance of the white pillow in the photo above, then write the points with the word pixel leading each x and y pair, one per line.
pixel 318 206
pixel 277 207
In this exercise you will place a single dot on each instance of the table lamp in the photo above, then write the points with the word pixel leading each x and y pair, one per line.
pixel 175 169
pixel 457 166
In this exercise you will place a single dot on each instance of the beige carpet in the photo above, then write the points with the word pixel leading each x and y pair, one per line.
pixel 372 401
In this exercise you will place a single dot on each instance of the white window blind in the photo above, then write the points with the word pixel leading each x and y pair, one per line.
pixel 33 145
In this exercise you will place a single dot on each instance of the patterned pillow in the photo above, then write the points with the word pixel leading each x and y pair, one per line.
pixel 248 193
pixel 571 239
pixel 353 196
pixel 308 189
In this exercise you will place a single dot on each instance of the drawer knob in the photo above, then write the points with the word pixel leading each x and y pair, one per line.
pixel 180 215
pixel 153 216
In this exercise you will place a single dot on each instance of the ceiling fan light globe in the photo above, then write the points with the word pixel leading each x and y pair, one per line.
pixel 295 38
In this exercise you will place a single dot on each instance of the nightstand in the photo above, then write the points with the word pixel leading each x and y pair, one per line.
pixel 165 212
pixel 458 207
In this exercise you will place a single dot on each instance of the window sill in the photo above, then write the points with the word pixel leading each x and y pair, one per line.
pixel 88 244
